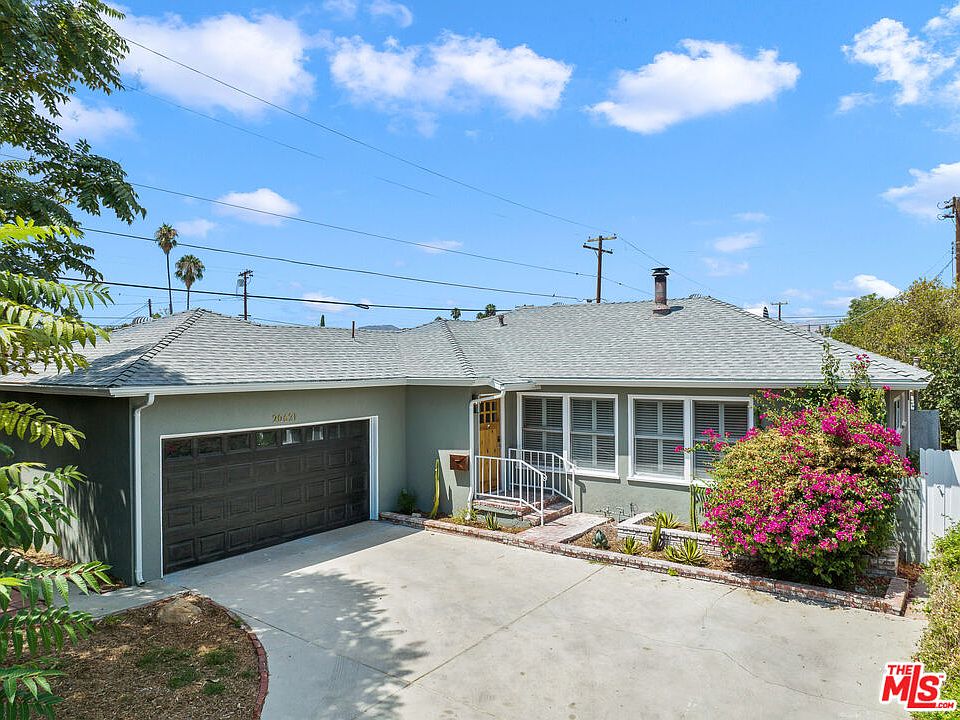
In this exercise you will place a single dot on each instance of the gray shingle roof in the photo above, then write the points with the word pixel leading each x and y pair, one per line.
pixel 701 341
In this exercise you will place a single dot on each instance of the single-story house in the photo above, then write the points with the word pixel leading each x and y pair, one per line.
pixel 209 436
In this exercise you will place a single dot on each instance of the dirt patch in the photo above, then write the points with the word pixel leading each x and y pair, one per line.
pixel 481 524
pixel 135 667
pixel 865 584
pixel 53 561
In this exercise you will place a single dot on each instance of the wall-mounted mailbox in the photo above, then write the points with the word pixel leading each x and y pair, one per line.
pixel 459 462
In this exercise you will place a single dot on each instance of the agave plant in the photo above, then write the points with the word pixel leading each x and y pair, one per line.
pixel 666 520
pixel 656 542
pixel 600 540
pixel 491 520
pixel 631 546
pixel 688 553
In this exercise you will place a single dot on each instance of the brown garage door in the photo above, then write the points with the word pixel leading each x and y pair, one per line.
pixel 231 493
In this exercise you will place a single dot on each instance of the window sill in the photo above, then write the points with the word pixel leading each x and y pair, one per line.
pixel 660 480
pixel 588 472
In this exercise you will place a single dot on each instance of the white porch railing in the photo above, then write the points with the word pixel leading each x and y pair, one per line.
pixel 509 479
pixel 561 474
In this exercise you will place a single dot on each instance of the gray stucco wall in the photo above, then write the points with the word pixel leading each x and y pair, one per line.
pixel 438 424
pixel 102 530
pixel 191 414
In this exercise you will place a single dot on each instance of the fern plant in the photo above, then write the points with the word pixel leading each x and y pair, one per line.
pixel 688 553
pixel 35 331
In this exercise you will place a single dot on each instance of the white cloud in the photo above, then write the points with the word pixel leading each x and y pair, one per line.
pixel 841 302
pixel 323 305
pixel 897 56
pixel 440 245
pixel 398 12
pixel 453 73
pixel 757 308
pixel 736 243
pixel 341 9
pixel 79 120
pixel 866 284
pixel 720 267
pixel 752 217
pixel 928 189
pixel 711 77
pixel 946 22
pixel 198 227
pixel 797 293
pixel 263 199
pixel 265 56
pixel 854 100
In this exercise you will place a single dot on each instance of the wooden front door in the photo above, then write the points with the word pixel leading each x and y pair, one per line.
pixel 489 470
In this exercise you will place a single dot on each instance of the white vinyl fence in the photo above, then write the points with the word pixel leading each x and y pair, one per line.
pixel 940 496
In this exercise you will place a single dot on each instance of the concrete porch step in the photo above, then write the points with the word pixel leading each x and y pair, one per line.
pixel 515 507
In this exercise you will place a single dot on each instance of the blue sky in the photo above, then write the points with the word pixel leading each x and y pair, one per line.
pixel 763 151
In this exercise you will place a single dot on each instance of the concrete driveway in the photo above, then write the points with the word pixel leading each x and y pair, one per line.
pixel 380 621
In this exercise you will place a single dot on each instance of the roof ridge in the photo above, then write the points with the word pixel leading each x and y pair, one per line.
pixel 458 350
pixel 879 358
pixel 162 343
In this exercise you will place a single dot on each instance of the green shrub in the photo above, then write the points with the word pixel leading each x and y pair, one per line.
pixel 688 553
pixel 600 540
pixel 491 521
pixel 810 494
pixel 939 649
pixel 666 520
pixel 406 502
pixel 631 546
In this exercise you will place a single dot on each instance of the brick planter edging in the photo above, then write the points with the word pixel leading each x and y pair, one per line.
pixel 893 603
pixel 262 669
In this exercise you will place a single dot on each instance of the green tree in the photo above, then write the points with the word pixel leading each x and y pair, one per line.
pixel 489 311
pixel 455 313
pixel 323 321
pixel 166 237
pixel 49 48
pixel 32 497
pixel 189 270
pixel 922 322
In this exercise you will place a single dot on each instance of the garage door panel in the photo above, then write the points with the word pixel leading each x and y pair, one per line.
pixel 230 493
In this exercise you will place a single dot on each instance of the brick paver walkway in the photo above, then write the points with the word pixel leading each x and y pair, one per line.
pixel 564 528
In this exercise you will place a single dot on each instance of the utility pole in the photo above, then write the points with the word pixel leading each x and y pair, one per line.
pixel 951 211
pixel 244 278
pixel 599 240
pixel 780 304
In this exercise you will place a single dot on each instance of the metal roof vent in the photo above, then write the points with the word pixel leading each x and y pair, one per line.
pixel 660 306
pixel 502 320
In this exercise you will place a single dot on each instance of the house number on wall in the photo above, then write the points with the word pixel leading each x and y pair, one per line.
pixel 284 417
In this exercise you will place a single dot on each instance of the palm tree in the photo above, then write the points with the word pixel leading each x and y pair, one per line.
pixel 189 270
pixel 166 237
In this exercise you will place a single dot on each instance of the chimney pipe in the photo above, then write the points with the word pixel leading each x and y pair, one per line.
pixel 353 329
pixel 660 306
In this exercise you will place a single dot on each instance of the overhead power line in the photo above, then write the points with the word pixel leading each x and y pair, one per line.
pixel 378 236
pixel 310 301
pixel 324 266
pixel 358 141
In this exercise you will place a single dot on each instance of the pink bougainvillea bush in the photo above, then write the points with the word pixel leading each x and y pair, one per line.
pixel 809 494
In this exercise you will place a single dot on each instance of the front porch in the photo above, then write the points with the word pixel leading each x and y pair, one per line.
pixel 527 485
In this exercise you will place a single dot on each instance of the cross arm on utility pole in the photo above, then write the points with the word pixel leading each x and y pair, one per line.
pixel 950 210
pixel 600 251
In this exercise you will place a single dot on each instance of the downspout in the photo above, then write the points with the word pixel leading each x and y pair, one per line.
pixel 473 444
pixel 138 490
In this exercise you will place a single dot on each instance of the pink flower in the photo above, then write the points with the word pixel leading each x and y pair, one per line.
pixel 678 448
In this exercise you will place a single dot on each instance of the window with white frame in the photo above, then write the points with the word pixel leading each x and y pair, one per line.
pixel 730 419
pixel 542 423
pixel 581 428
pixel 593 439
pixel 657 431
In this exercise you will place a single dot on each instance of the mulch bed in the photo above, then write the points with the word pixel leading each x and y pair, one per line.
pixel 135 667
pixel 865 584
pixel 480 524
